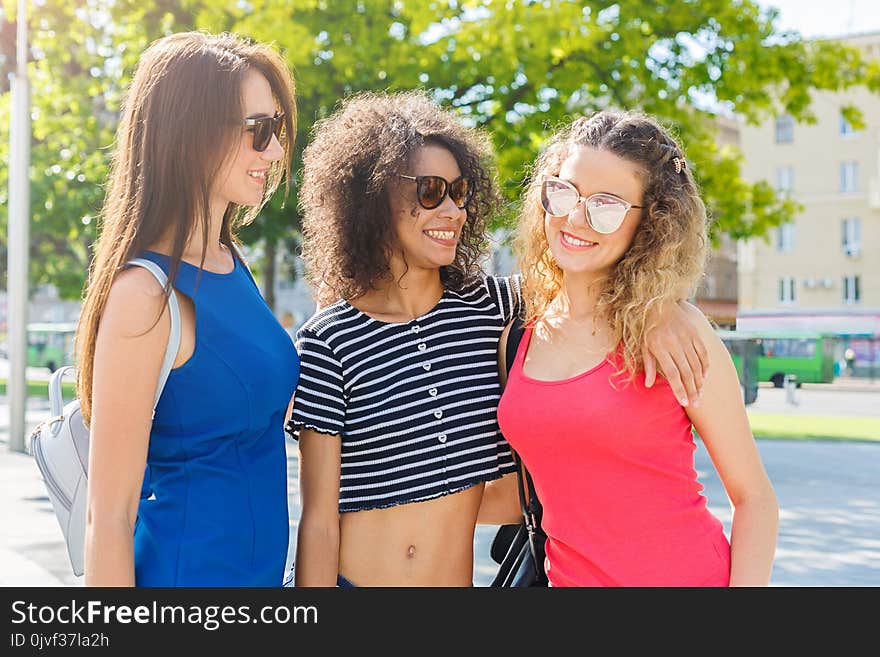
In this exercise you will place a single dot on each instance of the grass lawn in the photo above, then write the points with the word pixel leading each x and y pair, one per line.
pixel 41 389
pixel 813 427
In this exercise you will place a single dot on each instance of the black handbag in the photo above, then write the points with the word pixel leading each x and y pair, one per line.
pixel 519 548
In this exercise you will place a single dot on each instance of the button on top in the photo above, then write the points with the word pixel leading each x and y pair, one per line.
pixel 438 414
pixel 422 346
pixel 433 392
pixel 442 437
pixel 427 366
pixel 414 328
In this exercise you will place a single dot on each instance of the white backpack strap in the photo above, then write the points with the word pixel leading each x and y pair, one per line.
pixel 56 401
pixel 174 337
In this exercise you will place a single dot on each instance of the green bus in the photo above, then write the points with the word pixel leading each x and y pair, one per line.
pixel 743 351
pixel 50 344
pixel 807 356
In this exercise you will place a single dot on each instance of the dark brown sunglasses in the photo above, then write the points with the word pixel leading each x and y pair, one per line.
pixel 431 190
pixel 263 128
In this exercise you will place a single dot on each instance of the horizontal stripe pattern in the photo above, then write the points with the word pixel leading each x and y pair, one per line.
pixel 414 403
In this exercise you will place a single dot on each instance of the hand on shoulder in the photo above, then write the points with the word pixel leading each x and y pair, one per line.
pixel 703 325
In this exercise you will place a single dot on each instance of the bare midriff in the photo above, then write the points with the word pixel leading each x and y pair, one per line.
pixel 429 543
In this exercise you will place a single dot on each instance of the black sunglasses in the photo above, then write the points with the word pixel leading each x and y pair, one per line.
pixel 431 190
pixel 263 128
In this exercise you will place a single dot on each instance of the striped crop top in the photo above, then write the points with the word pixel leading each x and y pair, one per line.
pixel 414 403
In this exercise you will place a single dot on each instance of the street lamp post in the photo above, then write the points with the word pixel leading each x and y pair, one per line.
pixel 18 238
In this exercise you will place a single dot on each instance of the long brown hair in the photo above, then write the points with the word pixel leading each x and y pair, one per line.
pixel 181 118
pixel 668 252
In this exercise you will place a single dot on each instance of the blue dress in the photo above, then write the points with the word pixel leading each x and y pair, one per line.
pixel 213 508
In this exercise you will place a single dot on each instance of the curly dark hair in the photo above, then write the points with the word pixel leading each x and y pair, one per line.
pixel 353 157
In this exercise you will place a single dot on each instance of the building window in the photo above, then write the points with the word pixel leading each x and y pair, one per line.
pixel 851 292
pixel 852 236
pixel 846 130
pixel 849 177
pixel 784 179
pixel 785 237
pixel 784 129
pixel 786 289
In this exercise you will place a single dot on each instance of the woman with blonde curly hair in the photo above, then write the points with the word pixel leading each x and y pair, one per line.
pixel 612 226
pixel 395 411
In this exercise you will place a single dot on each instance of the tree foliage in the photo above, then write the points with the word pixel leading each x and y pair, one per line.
pixel 517 68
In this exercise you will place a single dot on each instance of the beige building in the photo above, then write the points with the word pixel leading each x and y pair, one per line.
pixel 717 293
pixel 825 263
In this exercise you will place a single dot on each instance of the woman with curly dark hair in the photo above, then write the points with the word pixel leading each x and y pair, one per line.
pixel 395 409
pixel 612 225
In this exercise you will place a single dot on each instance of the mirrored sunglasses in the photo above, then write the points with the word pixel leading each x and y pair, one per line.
pixel 605 212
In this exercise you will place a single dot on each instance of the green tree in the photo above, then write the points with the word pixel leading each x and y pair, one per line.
pixel 334 49
pixel 520 68
pixel 83 55
pixel 515 68
pixel 81 63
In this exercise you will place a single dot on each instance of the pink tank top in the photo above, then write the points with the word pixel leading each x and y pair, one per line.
pixel 614 470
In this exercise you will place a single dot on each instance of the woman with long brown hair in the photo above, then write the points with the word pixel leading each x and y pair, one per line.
pixel 196 495
pixel 395 409
pixel 613 225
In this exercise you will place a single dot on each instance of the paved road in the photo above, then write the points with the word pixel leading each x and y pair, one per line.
pixel 836 400
pixel 828 494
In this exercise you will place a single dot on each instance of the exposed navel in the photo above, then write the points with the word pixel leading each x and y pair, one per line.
pixel 411 552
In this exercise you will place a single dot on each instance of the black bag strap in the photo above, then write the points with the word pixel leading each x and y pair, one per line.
pixel 527 504
pixel 514 337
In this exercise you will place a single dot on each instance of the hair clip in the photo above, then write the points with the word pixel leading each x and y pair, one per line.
pixel 680 164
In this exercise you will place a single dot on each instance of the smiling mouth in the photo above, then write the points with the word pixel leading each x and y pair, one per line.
pixel 571 240
pixel 258 175
pixel 441 235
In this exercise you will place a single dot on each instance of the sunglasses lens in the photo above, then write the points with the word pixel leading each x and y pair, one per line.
pixel 460 192
pixel 431 190
pixel 264 128
pixel 262 134
pixel 558 197
pixel 606 213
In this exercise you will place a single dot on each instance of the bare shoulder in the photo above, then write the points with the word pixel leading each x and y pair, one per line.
pixel 135 301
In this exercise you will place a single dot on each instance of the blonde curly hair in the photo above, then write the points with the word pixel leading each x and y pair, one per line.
pixel 668 252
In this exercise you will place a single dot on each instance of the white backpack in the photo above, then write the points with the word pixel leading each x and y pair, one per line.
pixel 60 445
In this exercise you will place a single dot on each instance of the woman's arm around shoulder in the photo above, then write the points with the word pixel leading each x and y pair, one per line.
pixel 723 426
pixel 673 343
pixel 129 349
pixel 317 541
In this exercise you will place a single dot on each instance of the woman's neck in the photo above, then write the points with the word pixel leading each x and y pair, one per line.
pixel 402 297
pixel 215 252
pixel 577 298
pixel 213 248
pixel 573 315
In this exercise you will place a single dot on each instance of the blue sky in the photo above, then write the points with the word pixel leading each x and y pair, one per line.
pixel 815 18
